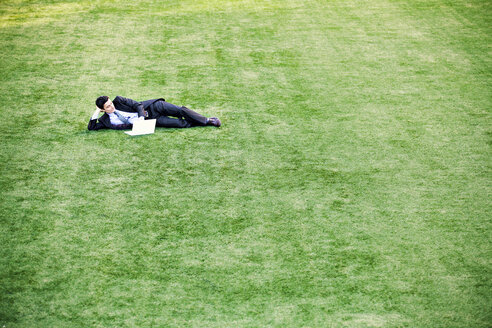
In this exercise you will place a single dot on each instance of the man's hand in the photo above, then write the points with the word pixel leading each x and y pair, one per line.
pixel 95 115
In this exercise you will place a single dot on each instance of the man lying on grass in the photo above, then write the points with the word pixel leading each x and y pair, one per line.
pixel 120 114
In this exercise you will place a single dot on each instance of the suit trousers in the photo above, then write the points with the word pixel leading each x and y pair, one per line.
pixel 185 117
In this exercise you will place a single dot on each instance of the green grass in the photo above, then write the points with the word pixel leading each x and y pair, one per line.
pixel 349 185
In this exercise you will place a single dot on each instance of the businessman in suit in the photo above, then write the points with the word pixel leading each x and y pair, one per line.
pixel 120 114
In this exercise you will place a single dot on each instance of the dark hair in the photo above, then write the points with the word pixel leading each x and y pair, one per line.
pixel 100 101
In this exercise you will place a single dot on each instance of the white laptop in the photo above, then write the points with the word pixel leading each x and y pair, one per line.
pixel 142 127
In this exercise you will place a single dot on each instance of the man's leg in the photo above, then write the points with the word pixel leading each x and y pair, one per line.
pixel 168 122
pixel 163 108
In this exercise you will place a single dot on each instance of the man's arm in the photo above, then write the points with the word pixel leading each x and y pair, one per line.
pixel 135 105
pixel 93 123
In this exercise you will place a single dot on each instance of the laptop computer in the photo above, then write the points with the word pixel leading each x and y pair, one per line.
pixel 142 127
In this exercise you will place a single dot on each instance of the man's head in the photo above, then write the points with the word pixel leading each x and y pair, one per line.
pixel 104 103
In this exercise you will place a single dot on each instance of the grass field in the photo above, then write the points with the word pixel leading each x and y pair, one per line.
pixel 349 186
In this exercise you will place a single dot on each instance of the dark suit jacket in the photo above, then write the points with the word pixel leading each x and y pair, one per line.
pixel 125 105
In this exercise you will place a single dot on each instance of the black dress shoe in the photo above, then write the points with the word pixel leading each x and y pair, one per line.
pixel 214 121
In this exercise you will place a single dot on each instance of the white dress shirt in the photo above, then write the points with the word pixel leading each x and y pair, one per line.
pixel 131 117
